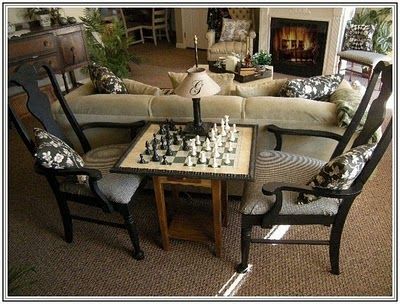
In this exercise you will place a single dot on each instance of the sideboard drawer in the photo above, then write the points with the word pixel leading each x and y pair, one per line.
pixel 31 46
pixel 51 60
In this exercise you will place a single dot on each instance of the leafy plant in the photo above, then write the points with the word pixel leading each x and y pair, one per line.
pixel 107 44
pixel 17 278
pixel 261 58
pixel 380 18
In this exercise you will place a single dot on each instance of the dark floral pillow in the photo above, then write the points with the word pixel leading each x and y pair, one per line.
pixel 52 152
pixel 359 37
pixel 105 81
pixel 340 172
pixel 315 88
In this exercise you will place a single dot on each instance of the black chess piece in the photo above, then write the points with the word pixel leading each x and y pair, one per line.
pixel 172 126
pixel 155 156
pixel 162 129
pixel 185 145
pixel 176 140
pixel 155 140
pixel 164 161
pixel 142 161
pixel 162 146
pixel 148 151
pixel 168 152
pixel 180 131
pixel 168 136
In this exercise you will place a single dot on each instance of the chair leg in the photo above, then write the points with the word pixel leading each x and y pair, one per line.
pixel 334 247
pixel 141 35
pixel 167 34
pixel 155 37
pixel 244 248
pixel 133 233
pixel 66 219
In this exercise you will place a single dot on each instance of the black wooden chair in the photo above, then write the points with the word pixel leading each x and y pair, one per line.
pixel 271 199
pixel 108 191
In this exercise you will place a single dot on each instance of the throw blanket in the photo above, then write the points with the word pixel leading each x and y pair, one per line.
pixel 347 102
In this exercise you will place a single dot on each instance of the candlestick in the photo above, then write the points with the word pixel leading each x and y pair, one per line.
pixel 195 48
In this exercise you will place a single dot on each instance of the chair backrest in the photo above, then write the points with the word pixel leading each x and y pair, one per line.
pixel 376 109
pixel 159 17
pixel 38 104
pixel 242 14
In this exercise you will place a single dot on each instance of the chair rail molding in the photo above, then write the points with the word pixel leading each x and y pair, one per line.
pixel 335 16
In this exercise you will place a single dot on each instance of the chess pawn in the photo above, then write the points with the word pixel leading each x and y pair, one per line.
pixel 198 142
pixel 215 128
pixel 215 152
pixel 234 128
pixel 227 160
pixel 219 140
pixel 203 158
pixel 214 162
pixel 232 136
pixel 212 138
pixel 227 127
pixel 230 147
pixel 223 132
pixel 194 150
pixel 141 161
pixel 208 146
pixel 189 161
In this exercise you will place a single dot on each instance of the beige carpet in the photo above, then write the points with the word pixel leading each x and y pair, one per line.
pixel 98 262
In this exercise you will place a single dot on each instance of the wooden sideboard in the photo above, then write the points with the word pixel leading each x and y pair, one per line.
pixel 60 47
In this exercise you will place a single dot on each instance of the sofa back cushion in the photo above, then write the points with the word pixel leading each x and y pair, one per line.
pixel 105 81
pixel 224 80
pixel 269 88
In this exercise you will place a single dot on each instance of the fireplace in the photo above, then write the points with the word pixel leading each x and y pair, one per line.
pixel 298 46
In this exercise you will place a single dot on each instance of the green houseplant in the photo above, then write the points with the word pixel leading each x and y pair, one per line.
pixel 381 19
pixel 261 58
pixel 107 44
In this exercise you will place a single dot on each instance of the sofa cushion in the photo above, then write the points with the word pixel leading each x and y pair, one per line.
pixel 347 101
pixel 139 88
pixel 52 152
pixel 340 172
pixel 105 81
pixel 269 88
pixel 224 80
pixel 359 37
pixel 316 88
pixel 234 30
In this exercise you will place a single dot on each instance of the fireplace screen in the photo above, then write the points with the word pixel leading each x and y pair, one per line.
pixel 298 46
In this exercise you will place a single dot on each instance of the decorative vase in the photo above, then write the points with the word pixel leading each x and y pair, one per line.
pixel 45 20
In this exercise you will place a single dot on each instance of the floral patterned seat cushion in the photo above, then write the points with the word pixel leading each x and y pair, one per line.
pixel 359 37
pixel 340 172
pixel 234 30
pixel 315 88
pixel 105 81
pixel 52 152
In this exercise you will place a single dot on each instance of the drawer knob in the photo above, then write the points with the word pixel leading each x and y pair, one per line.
pixel 45 43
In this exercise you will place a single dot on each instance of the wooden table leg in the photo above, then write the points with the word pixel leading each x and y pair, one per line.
pixel 161 211
pixel 217 218
pixel 224 203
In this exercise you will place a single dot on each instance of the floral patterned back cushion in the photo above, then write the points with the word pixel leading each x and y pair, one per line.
pixel 340 172
pixel 52 152
pixel 359 37
pixel 234 30
pixel 315 88
pixel 105 81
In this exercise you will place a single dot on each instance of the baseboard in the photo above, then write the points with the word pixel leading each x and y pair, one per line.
pixel 180 45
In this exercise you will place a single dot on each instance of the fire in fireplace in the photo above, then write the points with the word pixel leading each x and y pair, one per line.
pixel 298 46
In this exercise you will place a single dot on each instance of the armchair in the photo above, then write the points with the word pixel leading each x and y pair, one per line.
pixel 283 180
pixel 107 191
pixel 216 49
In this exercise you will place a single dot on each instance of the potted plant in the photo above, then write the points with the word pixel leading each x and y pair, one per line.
pixel 43 14
pixel 261 59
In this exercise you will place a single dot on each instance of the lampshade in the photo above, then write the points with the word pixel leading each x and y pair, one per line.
pixel 197 84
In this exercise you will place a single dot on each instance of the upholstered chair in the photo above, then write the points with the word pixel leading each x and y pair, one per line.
pixel 216 49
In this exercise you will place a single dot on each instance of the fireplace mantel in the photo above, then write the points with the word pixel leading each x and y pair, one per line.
pixel 336 17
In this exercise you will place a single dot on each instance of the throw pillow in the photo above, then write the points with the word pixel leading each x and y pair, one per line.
pixel 347 101
pixel 315 88
pixel 234 30
pixel 224 80
pixel 359 37
pixel 52 152
pixel 269 88
pixel 105 81
pixel 340 172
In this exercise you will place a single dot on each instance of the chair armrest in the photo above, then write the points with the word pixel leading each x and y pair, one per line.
pixel 133 126
pixel 278 132
pixel 252 34
pixel 210 36
pixel 93 174
pixel 275 188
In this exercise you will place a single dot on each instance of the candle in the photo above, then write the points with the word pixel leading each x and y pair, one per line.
pixel 195 49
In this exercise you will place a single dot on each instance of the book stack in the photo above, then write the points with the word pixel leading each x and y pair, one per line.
pixel 247 71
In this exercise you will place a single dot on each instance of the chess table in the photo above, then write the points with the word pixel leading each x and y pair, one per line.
pixel 174 170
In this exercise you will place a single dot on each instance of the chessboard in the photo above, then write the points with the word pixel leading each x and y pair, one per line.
pixel 164 148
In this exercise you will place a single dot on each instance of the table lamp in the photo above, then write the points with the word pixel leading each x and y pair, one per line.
pixel 197 84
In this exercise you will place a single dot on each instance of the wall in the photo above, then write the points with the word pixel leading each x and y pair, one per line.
pixel 17 15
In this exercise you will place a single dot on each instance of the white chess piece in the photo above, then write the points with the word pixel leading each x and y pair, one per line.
pixel 198 142
pixel 215 128
pixel 223 132
pixel 194 150
pixel 215 152
pixel 212 137
pixel 227 160
pixel 214 162
pixel 222 124
pixel 230 147
pixel 208 147
pixel 232 136
pixel 203 158
pixel 234 128
pixel 219 140
pixel 189 161
pixel 227 127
